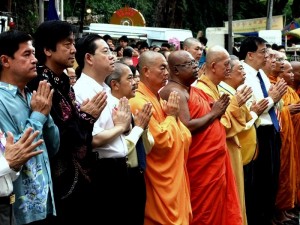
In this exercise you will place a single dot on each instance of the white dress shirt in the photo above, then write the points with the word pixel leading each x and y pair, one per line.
pixel 7 175
pixel 86 88
pixel 253 81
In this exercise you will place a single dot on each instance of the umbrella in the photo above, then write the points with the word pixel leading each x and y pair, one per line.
pixel 295 33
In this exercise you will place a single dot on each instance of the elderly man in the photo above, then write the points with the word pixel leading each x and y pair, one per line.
pixel 239 125
pixel 139 141
pixel 168 198
pixel 290 162
pixel 217 67
pixel 296 71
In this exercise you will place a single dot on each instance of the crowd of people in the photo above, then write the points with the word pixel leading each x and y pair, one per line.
pixel 139 135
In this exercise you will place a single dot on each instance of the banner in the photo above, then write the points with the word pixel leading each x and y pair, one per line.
pixel 255 25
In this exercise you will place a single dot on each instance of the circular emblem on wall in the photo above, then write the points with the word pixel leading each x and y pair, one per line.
pixel 128 16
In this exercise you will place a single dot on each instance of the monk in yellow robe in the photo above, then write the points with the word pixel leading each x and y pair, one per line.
pixel 167 185
pixel 235 120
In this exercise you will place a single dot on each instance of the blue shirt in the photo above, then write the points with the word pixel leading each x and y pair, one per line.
pixel 33 188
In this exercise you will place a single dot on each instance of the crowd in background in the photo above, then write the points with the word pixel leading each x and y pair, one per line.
pixel 95 131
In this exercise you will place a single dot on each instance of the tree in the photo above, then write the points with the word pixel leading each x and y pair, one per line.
pixel 296 9
pixel 26 15
pixel 189 14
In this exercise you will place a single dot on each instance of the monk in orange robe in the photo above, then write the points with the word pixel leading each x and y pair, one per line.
pixel 295 85
pixel 292 103
pixel 210 151
pixel 296 70
pixel 167 185
pixel 286 193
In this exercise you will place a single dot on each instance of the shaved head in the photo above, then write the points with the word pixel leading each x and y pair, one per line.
pixel 148 58
pixel 296 71
pixel 295 64
pixel 153 68
pixel 177 57
pixel 189 42
pixel 215 53
pixel 217 64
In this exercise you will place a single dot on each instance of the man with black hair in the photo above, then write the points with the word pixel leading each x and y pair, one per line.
pixel 110 181
pixel 72 166
pixel 19 110
pixel 109 41
pixel 260 202
pixel 123 41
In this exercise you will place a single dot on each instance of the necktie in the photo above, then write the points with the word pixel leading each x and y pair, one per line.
pixel 140 151
pixel 271 111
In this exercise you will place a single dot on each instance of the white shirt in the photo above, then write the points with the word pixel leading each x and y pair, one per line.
pixel 86 88
pixel 253 81
pixel 7 175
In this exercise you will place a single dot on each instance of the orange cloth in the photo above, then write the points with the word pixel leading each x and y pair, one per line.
pixel 167 185
pixel 291 97
pixel 213 190
pixel 286 194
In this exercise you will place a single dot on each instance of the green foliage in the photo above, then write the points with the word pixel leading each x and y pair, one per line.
pixel 189 14
pixel 27 15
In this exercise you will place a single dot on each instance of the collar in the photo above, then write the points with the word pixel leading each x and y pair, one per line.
pixel 249 69
pixel 91 81
pixel 12 89
pixel 227 88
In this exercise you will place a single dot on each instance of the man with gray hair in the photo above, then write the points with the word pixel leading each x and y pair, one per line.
pixel 223 203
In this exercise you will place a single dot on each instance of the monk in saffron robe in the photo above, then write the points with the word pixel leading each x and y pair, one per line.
pixel 293 98
pixel 286 193
pixel 167 185
pixel 213 188
pixel 292 104
pixel 296 83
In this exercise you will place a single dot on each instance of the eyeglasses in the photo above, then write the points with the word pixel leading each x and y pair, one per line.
pixel 279 59
pixel 262 51
pixel 72 78
pixel 188 64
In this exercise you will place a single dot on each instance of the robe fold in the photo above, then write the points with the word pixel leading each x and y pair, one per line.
pixel 234 120
pixel 167 184
pixel 287 189
pixel 213 190
pixel 291 97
